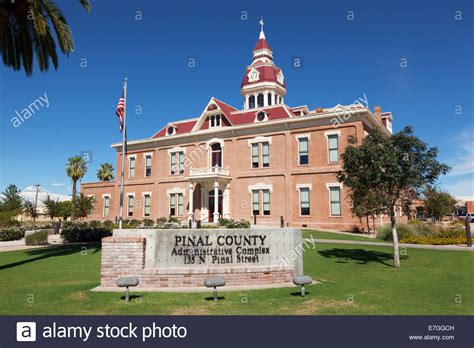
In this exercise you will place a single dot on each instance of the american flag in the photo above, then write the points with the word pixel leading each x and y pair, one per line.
pixel 121 110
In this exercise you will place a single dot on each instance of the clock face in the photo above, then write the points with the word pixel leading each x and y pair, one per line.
pixel 253 76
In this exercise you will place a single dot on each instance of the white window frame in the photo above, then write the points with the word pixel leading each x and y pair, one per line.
pixel 131 194
pixel 134 165
pixel 328 187
pixel 327 134
pixel 104 196
pixel 144 203
pixel 310 188
pixel 145 155
pixel 258 141
pixel 298 137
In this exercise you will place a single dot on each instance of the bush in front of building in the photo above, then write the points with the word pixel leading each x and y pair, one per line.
pixel 424 233
pixel 11 233
pixel 148 223
pixel 83 232
pixel 229 223
pixel 38 238
pixel 161 222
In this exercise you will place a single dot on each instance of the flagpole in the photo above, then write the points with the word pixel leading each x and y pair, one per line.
pixel 124 139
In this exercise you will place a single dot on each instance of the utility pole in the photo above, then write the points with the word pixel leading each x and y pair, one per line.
pixel 36 203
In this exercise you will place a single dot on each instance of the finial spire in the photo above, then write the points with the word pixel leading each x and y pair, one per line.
pixel 262 34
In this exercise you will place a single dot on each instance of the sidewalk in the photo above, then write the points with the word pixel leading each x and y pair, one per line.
pixel 415 246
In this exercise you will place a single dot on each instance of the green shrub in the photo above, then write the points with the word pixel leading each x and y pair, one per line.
pixel 224 222
pixel 161 222
pixel 38 238
pixel 83 232
pixel 148 222
pixel 7 219
pixel 238 224
pixel 109 225
pixel 11 233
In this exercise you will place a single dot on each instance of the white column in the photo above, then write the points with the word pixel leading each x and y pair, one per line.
pixel 216 201
pixel 191 206
pixel 247 102
pixel 265 98
pixel 226 203
pixel 274 101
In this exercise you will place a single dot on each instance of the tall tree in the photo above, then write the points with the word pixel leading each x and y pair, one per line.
pixel 438 203
pixel 12 199
pixel 51 207
pixel 105 172
pixel 82 206
pixel 26 28
pixel 389 166
pixel 76 168
pixel 65 209
pixel 30 210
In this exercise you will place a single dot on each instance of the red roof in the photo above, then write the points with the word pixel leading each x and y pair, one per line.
pixel 267 74
pixel 181 128
pixel 261 44
pixel 273 113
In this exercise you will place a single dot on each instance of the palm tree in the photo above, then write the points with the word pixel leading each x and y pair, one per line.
pixel 51 207
pixel 82 206
pixel 30 210
pixel 76 168
pixel 26 31
pixel 105 172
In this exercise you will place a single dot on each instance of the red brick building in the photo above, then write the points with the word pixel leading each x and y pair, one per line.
pixel 268 159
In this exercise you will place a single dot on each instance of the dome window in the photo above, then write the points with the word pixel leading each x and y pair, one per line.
pixel 171 130
pixel 261 116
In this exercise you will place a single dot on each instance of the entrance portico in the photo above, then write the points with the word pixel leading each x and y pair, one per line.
pixel 214 186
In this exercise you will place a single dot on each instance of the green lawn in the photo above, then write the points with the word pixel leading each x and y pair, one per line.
pixel 355 279
pixel 337 236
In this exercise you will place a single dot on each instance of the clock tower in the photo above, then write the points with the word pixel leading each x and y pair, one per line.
pixel 263 84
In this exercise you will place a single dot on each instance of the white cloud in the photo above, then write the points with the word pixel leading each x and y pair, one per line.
pixel 460 188
pixel 56 184
pixel 29 193
pixel 463 159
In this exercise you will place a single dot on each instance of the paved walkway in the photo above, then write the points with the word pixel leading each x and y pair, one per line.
pixel 415 246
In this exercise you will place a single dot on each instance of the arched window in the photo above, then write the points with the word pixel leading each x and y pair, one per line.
pixel 251 102
pixel 216 155
pixel 269 99
pixel 260 100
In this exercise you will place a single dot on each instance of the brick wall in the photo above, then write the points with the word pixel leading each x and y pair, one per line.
pixel 125 256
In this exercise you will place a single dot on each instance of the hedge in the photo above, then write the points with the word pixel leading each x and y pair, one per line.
pixel 11 233
pixel 75 233
pixel 37 238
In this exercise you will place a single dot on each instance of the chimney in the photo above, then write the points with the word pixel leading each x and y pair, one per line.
pixel 319 110
pixel 378 112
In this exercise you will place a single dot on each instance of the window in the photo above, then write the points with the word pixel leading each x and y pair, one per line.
pixel 177 158
pixel 214 121
pixel 130 206
pixel 131 171
pixel 171 130
pixel 303 150
pixel 147 205
pixel 255 202
pixel 265 155
pixel 216 155
pixel 269 100
pixel 148 165
pixel 251 102
pixel 265 150
pixel 333 146
pixel 106 205
pixel 181 162
pixel 335 197
pixel 255 156
pixel 176 204
pixel 261 116
pixel 266 202
pixel 260 100
pixel 304 201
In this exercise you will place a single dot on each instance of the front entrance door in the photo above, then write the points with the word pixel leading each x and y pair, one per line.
pixel 211 205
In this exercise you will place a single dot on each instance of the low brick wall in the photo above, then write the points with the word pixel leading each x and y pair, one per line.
pixel 125 256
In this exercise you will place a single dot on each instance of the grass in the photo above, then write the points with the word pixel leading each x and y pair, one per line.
pixel 355 279
pixel 338 236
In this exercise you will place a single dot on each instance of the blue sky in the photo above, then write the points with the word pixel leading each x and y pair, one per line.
pixel 342 59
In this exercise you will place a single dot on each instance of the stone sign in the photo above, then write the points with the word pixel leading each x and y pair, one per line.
pixel 176 257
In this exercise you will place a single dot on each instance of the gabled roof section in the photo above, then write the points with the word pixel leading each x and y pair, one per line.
pixel 273 113
pixel 181 127
pixel 212 105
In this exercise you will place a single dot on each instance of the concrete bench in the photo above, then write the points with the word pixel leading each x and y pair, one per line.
pixel 214 282
pixel 127 282
pixel 302 280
